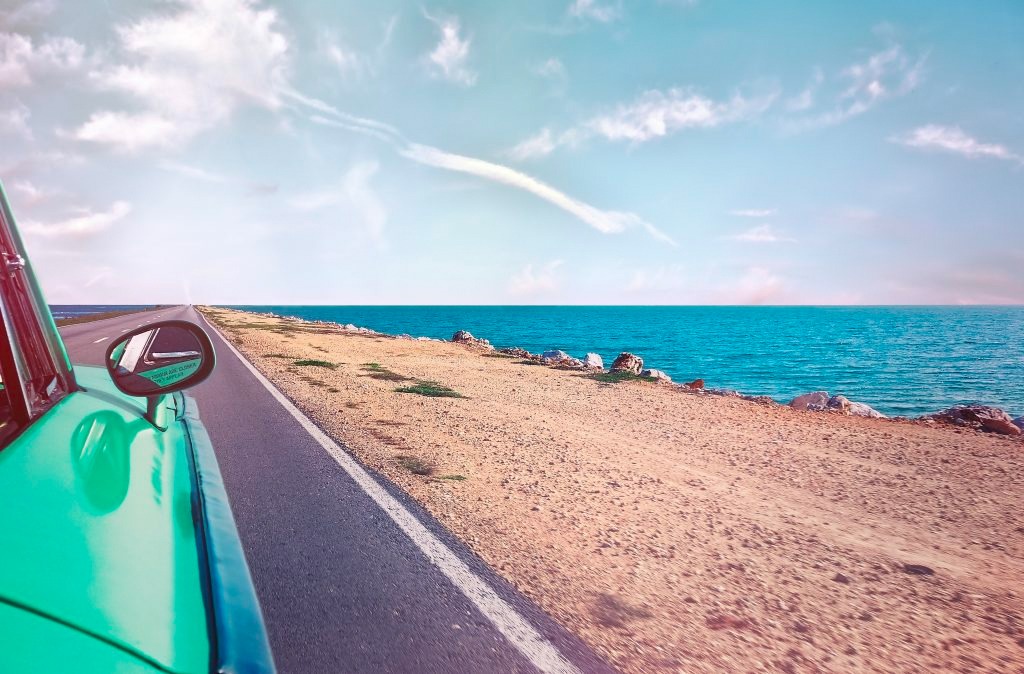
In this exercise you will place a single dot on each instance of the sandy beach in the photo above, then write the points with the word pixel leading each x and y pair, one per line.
pixel 678 532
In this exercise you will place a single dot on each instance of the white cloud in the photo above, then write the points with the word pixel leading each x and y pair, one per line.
pixel 131 132
pixel 754 212
pixel 14 121
pixel 655 114
pixel 449 58
pixel 189 71
pixel 86 223
pixel 595 11
pixel 540 145
pixel 606 222
pixel 885 74
pixel 355 197
pixel 760 234
pixel 953 139
pixel 194 172
pixel 530 281
pixel 21 58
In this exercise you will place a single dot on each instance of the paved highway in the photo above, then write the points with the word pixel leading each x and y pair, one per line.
pixel 351 574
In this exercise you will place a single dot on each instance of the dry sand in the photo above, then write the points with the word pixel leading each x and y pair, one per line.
pixel 680 532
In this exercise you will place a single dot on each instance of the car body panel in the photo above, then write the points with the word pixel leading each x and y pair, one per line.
pixel 98 525
pixel 34 643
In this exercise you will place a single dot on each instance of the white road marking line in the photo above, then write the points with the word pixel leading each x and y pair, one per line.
pixel 519 632
pixel 99 340
pixel 125 330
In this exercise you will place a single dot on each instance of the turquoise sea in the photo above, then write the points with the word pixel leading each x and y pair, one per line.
pixel 901 360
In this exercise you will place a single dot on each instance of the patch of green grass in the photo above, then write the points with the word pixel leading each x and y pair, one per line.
pixel 496 354
pixel 431 389
pixel 277 355
pixel 616 377
pixel 414 464
pixel 316 363
pixel 453 478
pixel 378 371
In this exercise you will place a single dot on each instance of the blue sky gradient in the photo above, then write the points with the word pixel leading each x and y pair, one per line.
pixel 586 151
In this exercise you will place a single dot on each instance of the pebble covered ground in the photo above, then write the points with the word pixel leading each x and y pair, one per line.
pixel 684 533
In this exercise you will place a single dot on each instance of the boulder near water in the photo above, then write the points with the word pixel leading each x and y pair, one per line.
pixel 838 403
pixel 656 374
pixel 863 410
pixel 627 362
pixel 593 361
pixel 556 355
pixel 814 400
pixel 979 417
pixel 1019 422
pixel 464 337
pixel 695 384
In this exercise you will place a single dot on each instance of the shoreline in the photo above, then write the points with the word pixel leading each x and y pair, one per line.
pixel 676 531
pixel 991 419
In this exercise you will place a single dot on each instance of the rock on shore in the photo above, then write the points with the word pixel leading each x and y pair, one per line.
pixel 465 337
pixel 818 401
pixel 627 362
pixel 593 361
pixel 978 417
pixel 657 375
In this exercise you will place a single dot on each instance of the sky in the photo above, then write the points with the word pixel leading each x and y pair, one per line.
pixel 535 152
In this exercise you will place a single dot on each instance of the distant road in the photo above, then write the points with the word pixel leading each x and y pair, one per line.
pixel 342 586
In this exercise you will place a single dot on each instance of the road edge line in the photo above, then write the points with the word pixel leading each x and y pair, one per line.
pixel 519 632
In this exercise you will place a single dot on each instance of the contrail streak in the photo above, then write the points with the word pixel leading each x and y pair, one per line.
pixel 606 222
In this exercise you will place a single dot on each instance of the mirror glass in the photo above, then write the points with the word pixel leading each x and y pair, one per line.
pixel 156 361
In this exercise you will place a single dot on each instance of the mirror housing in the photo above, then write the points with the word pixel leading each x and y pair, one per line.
pixel 160 358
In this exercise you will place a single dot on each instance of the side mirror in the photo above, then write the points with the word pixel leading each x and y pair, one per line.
pixel 160 358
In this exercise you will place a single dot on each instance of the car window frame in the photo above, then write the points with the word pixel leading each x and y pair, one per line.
pixel 34 330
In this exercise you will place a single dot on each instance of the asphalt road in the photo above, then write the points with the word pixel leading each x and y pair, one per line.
pixel 342 587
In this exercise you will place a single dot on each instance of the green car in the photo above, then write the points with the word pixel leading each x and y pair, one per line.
pixel 118 549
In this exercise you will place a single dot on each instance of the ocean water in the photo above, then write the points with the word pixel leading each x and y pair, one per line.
pixel 900 360
pixel 60 311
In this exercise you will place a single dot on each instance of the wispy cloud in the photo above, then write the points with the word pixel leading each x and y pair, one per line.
pixel 754 212
pixel 535 281
pixel 552 68
pixel 84 224
pixel 194 172
pixel 540 145
pixel 885 74
pixel 606 222
pixel 603 12
pixel 354 196
pixel 655 114
pixel 953 139
pixel 449 59
pixel 764 233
